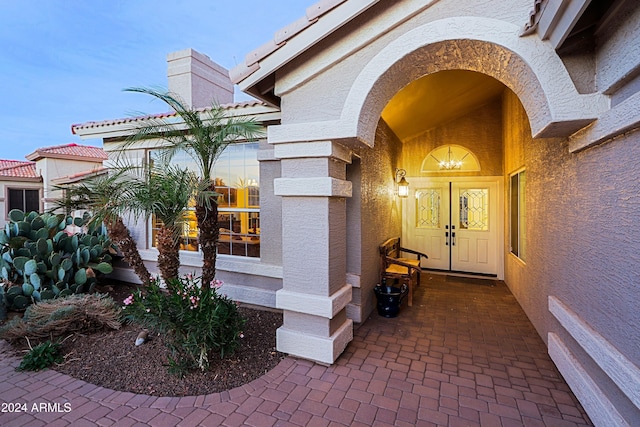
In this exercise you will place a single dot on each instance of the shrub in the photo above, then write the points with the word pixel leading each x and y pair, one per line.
pixel 40 260
pixel 196 320
pixel 40 357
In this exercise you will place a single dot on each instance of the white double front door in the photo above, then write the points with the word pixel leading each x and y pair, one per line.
pixel 456 222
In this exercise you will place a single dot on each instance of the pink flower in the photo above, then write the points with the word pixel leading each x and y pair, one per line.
pixel 215 283
pixel 128 300
pixel 241 335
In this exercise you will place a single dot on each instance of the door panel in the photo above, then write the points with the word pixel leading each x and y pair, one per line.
pixel 462 249
pixel 483 251
pixel 475 217
pixel 455 222
pixel 425 217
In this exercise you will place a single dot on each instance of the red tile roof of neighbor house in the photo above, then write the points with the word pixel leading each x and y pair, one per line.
pixel 96 124
pixel 86 152
pixel 11 163
pixel 17 169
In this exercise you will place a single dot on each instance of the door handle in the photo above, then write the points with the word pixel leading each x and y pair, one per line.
pixel 453 238
pixel 446 235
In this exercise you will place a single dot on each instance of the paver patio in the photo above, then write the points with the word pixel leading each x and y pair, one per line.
pixel 463 355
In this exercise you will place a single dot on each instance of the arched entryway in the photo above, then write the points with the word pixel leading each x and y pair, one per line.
pixel 318 289
pixel 454 211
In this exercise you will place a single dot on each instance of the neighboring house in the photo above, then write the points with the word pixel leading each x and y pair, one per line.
pixel 20 187
pixel 516 122
pixel 30 185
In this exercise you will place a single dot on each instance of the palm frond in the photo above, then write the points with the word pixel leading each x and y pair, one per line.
pixel 105 196
pixel 202 134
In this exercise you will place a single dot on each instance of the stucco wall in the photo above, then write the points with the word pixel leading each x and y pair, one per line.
pixel 270 208
pixel 617 57
pixel 52 168
pixel 582 242
pixel 373 215
pixel 303 82
pixel 480 132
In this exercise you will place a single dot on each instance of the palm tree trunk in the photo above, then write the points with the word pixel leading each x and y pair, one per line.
pixel 168 253
pixel 208 237
pixel 121 238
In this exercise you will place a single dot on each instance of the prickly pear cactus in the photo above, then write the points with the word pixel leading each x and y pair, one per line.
pixel 41 259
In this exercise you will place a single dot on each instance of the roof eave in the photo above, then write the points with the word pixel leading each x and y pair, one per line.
pixel 122 129
pixel 70 179
pixel 37 156
pixel 21 178
pixel 257 77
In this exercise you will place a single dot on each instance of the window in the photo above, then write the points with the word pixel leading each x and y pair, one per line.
pixel 450 158
pixel 24 199
pixel 236 175
pixel 517 215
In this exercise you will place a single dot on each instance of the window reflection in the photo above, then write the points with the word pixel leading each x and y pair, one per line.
pixel 236 176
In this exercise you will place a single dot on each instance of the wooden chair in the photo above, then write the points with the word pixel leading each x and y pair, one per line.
pixel 392 266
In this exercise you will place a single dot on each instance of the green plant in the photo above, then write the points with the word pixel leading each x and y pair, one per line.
pixel 41 260
pixel 196 319
pixel 40 357
pixel 164 190
pixel 107 197
pixel 203 135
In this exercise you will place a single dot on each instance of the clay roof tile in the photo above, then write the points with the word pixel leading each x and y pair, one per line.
pixel 17 169
pixel 313 14
pixel 97 124
pixel 72 149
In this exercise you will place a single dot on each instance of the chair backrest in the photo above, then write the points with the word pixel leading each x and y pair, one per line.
pixel 391 248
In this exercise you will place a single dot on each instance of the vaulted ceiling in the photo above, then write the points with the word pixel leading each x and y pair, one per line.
pixel 438 98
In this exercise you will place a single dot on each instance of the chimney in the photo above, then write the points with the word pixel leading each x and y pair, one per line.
pixel 197 79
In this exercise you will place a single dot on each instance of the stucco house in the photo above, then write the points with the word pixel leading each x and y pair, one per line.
pixel 30 185
pixel 515 123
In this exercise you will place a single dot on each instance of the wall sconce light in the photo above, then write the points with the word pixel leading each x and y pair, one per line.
pixel 402 186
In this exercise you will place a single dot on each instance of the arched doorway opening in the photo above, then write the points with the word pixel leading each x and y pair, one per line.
pixel 449 125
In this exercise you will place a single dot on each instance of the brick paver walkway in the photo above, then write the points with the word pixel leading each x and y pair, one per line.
pixel 463 355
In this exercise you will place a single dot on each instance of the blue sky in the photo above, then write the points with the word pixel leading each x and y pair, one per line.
pixel 67 61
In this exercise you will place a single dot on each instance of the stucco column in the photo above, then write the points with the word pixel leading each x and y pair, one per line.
pixel 314 290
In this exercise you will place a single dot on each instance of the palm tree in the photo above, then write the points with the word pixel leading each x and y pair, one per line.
pixel 203 135
pixel 165 191
pixel 105 196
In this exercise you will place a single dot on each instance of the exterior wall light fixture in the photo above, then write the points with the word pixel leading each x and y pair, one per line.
pixel 402 186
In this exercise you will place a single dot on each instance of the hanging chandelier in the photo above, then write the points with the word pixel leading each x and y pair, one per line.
pixel 451 163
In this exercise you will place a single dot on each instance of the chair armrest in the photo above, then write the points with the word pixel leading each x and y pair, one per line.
pixel 411 251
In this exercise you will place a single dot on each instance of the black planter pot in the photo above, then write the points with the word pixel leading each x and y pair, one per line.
pixel 389 299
